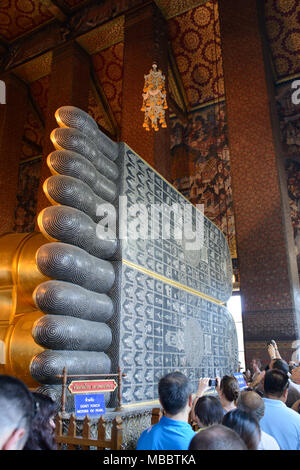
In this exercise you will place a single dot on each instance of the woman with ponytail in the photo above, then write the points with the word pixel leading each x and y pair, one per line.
pixel 228 389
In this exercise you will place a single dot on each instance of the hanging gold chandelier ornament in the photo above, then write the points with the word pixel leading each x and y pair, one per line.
pixel 154 99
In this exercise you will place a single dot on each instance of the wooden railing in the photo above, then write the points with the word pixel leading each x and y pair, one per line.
pixel 156 415
pixel 71 441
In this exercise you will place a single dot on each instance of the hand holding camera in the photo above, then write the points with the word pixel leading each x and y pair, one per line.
pixel 203 385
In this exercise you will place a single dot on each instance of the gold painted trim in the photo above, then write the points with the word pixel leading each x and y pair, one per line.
pixel 36 68
pixel 287 79
pixel 173 9
pixel 52 136
pixel 143 403
pixel 101 101
pixel 52 170
pixel 41 227
pixel 103 36
pixel 30 159
pixel 207 104
pixel 59 122
pixel 202 106
pixel 53 202
pixel 175 75
pixel 173 283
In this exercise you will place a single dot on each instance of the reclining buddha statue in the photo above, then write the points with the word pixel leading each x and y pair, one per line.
pixel 123 272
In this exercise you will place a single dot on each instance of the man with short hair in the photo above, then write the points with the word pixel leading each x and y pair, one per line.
pixel 251 402
pixel 217 437
pixel 294 387
pixel 172 432
pixel 16 412
pixel 280 421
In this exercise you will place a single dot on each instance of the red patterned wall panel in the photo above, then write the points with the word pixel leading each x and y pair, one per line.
pixel 95 111
pixel 283 27
pixel 195 38
pixel 108 66
pixel 39 91
pixel 17 17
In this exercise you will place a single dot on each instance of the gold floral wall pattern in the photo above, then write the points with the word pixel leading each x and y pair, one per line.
pixel 196 42
pixel 283 29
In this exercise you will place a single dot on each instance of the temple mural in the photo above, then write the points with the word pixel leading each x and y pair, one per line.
pixel 289 114
pixel 25 212
pixel 201 166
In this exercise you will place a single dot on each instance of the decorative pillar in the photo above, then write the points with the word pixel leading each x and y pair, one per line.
pixel 266 250
pixel 69 85
pixel 145 42
pixel 12 121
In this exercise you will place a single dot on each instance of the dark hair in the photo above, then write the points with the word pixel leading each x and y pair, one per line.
pixel 275 382
pixel 230 387
pixel 16 404
pixel 251 402
pixel 280 364
pixel 174 390
pixel 217 437
pixel 209 410
pixel 250 389
pixel 42 435
pixel 245 425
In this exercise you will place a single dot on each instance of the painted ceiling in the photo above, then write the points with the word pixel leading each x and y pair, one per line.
pixel 18 17
pixel 195 46
pixel 283 28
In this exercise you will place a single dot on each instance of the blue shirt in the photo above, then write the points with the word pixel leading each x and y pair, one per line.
pixel 167 434
pixel 282 423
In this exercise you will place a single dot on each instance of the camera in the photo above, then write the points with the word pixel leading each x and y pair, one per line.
pixel 212 383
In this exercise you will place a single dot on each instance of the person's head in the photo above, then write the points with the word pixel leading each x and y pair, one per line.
pixel 208 411
pixel 245 425
pixel 42 436
pixel 175 393
pixel 229 388
pixel 16 405
pixel 255 364
pixel 251 402
pixel 217 437
pixel 276 384
pixel 295 376
pixel 279 364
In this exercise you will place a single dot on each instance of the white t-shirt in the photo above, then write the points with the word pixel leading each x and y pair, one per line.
pixel 267 442
pixel 296 386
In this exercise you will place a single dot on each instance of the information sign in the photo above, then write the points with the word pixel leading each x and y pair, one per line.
pixel 241 380
pixel 89 404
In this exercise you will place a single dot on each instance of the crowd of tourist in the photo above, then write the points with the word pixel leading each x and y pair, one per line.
pixel 264 415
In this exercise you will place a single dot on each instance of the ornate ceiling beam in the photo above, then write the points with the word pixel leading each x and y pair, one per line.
pixel 35 109
pixel 3 44
pixel 175 8
pixel 56 10
pixel 72 24
pixel 180 101
pixel 104 105
pixel 55 34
